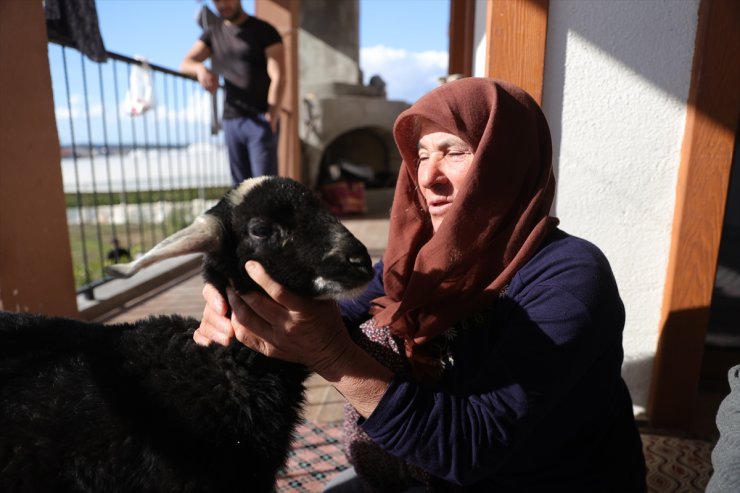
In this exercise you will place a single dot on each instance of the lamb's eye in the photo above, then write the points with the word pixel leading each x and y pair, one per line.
pixel 260 230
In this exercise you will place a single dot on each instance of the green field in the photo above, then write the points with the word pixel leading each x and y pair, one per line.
pixel 102 199
pixel 90 243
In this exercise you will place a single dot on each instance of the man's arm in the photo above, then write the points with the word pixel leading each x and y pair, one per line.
pixel 193 65
pixel 276 70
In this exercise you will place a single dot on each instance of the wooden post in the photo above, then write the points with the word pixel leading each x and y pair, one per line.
pixel 462 28
pixel 35 259
pixel 516 37
pixel 283 14
pixel 704 174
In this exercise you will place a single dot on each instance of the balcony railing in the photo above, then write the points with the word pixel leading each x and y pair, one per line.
pixel 131 179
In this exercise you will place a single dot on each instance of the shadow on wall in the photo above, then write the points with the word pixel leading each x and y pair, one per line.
pixel 622 34
pixel 678 331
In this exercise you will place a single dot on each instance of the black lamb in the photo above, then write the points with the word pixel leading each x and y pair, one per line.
pixel 88 407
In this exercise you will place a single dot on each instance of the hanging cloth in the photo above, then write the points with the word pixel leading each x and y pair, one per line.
pixel 75 23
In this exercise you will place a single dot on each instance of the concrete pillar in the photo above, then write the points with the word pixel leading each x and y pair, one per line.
pixel 35 260
pixel 330 42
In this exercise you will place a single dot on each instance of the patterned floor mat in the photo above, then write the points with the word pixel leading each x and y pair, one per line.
pixel 674 464
pixel 316 456
pixel 677 464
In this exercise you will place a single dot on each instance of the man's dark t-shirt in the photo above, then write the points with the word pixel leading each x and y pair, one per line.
pixel 238 54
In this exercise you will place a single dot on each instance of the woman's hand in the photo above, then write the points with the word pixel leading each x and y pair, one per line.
pixel 285 326
pixel 281 325
pixel 215 326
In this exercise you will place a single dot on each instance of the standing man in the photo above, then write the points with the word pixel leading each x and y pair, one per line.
pixel 248 53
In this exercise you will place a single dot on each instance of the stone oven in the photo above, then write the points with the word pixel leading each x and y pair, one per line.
pixel 343 122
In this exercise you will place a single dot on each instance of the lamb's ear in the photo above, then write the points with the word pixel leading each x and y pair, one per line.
pixel 203 235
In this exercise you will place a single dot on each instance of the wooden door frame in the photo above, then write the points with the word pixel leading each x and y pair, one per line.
pixel 701 195
pixel 516 40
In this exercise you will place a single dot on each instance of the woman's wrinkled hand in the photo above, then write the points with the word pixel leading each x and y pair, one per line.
pixel 280 325
pixel 215 326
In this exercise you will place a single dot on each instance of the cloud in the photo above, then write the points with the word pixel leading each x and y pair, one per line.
pixel 196 109
pixel 183 122
pixel 96 110
pixel 198 106
pixel 407 74
pixel 77 105
pixel 74 109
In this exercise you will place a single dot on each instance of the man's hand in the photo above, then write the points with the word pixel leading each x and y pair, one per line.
pixel 272 116
pixel 207 79
pixel 275 69
pixel 193 66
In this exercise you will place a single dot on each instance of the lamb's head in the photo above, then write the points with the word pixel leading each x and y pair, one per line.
pixel 281 224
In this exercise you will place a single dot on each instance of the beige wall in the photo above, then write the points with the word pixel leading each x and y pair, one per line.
pixel 35 261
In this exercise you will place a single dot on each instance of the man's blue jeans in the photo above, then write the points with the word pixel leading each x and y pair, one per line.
pixel 252 147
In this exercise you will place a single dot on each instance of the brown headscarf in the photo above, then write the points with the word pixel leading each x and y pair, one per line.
pixel 496 223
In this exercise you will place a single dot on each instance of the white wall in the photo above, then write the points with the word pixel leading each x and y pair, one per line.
pixel 616 83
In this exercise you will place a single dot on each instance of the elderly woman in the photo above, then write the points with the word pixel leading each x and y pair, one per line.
pixel 489 352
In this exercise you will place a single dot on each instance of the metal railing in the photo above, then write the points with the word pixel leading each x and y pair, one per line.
pixel 130 181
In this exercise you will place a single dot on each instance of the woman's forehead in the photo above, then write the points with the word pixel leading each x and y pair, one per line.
pixel 431 133
pixel 440 139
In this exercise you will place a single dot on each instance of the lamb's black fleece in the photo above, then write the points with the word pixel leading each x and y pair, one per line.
pixel 139 407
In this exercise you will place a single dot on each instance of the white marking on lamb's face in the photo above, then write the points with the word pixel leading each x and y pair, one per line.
pixel 236 196
pixel 335 291
pixel 323 285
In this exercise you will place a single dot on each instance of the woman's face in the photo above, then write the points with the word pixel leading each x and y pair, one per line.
pixel 444 161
